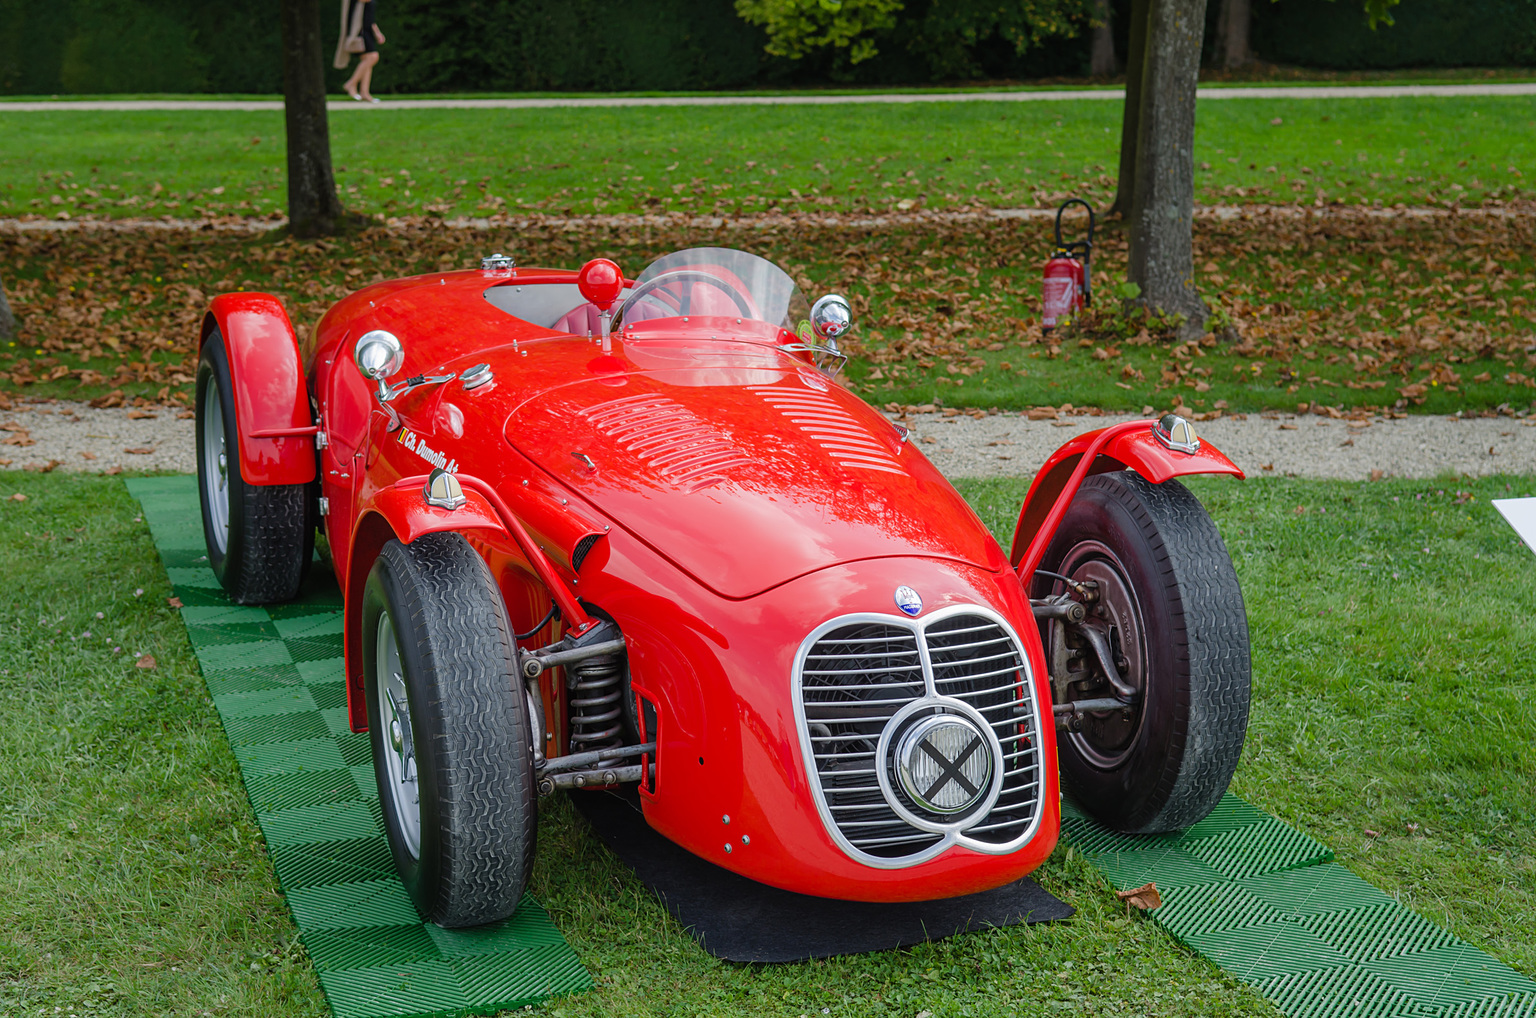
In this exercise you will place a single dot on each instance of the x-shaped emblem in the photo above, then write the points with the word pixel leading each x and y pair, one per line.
pixel 949 770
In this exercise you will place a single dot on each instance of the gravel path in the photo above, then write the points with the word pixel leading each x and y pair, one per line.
pixel 75 437
pixel 858 98
pixel 1283 445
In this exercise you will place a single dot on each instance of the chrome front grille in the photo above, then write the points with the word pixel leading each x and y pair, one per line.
pixel 855 674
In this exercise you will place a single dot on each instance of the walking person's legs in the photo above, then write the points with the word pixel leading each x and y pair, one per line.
pixel 362 76
pixel 365 66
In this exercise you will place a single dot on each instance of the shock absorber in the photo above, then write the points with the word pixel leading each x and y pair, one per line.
pixel 596 689
pixel 594 682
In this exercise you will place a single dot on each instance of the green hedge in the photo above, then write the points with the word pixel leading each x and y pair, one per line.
pixel 1428 33
pixel 85 46
pixel 104 46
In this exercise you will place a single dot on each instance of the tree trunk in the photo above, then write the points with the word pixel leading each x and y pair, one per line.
pixel 7 320
pixel 1102 64
pixel 1231 49
pixel 1161 259
pixel 1233 42
pixel 1130 119
pixel 313 207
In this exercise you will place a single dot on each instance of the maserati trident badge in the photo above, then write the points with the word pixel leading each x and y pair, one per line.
pixel 908 600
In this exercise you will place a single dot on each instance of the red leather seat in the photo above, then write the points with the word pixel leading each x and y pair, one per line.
pixel 703 299
pixel 584 319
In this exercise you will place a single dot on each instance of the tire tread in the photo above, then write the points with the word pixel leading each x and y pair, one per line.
pixel 1210 646
pixel 478 727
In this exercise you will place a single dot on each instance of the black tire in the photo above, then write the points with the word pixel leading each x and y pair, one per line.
pixel 466 725
pixel 1176 619
pixel 260 538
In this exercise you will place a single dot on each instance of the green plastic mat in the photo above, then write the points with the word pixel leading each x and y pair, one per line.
pixel 275 675
pixel 1269 905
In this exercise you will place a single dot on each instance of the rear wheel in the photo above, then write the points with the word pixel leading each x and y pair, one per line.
pixel 449 723
pixel 260 537
pixel 1170 609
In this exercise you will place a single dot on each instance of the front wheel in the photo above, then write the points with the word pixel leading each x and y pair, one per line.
pixel 452 749
pixel 260 537
pixel 1169 608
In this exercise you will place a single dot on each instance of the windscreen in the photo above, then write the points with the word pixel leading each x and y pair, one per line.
pixel 709 281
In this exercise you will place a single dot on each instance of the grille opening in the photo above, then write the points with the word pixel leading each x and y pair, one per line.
pixel 853 681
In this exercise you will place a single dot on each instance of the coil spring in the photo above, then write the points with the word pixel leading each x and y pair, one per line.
pixel 596 688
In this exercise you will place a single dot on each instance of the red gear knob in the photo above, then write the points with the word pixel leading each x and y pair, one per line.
pixel 600 282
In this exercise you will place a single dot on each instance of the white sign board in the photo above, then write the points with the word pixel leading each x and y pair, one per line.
pixel 1521 514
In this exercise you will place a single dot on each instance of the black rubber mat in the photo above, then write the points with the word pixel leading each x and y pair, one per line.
pixel 741 920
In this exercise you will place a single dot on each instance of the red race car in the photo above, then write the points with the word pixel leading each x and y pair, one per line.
pixel 594 531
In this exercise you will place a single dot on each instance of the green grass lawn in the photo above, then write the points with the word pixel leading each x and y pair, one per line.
pixel 738 160
pixel 1394 638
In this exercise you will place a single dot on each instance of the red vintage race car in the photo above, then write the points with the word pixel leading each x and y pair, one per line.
pixel 594 531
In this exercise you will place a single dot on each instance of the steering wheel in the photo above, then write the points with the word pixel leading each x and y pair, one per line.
pixel 683 276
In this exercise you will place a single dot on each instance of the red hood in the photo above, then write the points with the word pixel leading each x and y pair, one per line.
pixel 747 473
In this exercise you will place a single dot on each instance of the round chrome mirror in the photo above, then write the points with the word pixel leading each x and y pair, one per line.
pixel 378 355
pixel 831 317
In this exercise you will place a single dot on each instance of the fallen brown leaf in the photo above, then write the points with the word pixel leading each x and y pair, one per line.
pixel 18 497
pixel 87 455
pixel 139 450
pixel 140 415
pixel 147 661
pixel 174 602
pixel 1144 897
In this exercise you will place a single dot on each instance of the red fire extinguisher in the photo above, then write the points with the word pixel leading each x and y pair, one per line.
pixel 1068 275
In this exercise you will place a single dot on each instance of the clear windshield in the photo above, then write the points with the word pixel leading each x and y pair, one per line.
pixel 709 281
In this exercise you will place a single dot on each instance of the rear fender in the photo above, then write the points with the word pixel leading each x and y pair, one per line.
pixel 1129 445
pixel 276 433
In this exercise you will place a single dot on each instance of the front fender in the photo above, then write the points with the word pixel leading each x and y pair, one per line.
pixel 276 434
pixel 1132 445
pixel 409 517
pixel 397 511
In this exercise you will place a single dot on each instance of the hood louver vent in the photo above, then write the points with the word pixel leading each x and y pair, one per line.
pixel 669 438
pixel 845 439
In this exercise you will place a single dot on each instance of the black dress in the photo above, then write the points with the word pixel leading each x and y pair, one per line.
pixel 370 41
